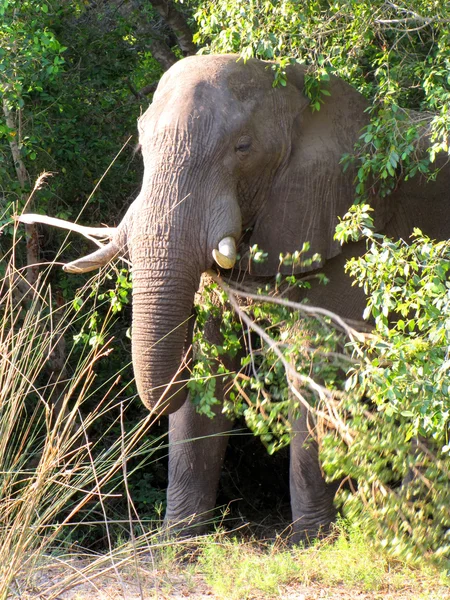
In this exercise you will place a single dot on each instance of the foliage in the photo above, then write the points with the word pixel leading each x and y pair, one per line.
pixel 67 75
pixel 31 54
pixel 396 401
pixel 56 470
pixel 396 54
pixel 260 389
pixel 398 397
pixel 31 59
pixel 117 299
pixel 104 301
pixel 396 405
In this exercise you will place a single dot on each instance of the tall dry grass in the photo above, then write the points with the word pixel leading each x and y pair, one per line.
pixel 50 468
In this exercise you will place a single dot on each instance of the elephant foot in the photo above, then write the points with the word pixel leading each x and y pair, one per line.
pixel 306 535
pixel 308 528
pixel 194 525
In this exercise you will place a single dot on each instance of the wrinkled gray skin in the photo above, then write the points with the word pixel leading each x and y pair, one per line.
pixel 225 152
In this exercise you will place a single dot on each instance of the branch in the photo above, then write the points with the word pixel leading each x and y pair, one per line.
pixel 23 178
pixel 145 91
pixel 14 144
pixel 293 376
pixel 412 18
pixel 162 53
pixel 148 89
pixel 343 324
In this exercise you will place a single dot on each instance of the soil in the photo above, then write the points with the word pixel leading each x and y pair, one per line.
pixel 79 579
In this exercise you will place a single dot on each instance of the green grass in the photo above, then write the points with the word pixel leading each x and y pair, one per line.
pixel 238 570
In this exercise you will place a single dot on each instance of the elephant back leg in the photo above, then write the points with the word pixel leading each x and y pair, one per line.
pixel 312 497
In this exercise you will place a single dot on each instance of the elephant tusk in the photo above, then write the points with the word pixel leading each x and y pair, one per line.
pixel 97 259
pixel 225 255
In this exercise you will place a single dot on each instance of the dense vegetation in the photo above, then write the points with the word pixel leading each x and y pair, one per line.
pixel 74 77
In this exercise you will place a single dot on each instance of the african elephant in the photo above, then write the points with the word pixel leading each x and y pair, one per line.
pixel 231 160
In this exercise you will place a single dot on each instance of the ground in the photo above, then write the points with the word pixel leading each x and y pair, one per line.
pixel 103 578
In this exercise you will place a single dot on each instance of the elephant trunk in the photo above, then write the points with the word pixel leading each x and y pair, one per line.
pixel 171 237
pixel 163 296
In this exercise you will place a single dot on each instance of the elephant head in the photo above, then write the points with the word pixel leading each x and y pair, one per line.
pixel 228 157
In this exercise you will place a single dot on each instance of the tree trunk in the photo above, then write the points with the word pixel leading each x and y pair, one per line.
pixel 162 53
pixel 177 23
pixel 23 178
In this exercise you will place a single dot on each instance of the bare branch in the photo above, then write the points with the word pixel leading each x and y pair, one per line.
pixel 343 324
pixel 145 91
pixel 148 89
pixel 411 18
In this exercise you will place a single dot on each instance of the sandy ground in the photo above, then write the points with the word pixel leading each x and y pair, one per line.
pixel 78 579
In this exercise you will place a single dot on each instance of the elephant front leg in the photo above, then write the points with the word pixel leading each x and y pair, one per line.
pixel 197 447
pixel 312 497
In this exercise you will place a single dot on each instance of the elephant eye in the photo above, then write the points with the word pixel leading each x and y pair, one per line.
pixel 244 144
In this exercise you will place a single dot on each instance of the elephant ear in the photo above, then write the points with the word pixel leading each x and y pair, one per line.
pixel 310 189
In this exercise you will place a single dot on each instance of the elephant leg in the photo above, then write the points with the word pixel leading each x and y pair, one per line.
pixel 311 496
pixel 197 447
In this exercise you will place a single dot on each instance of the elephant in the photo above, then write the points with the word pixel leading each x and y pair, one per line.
pixel 232 161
